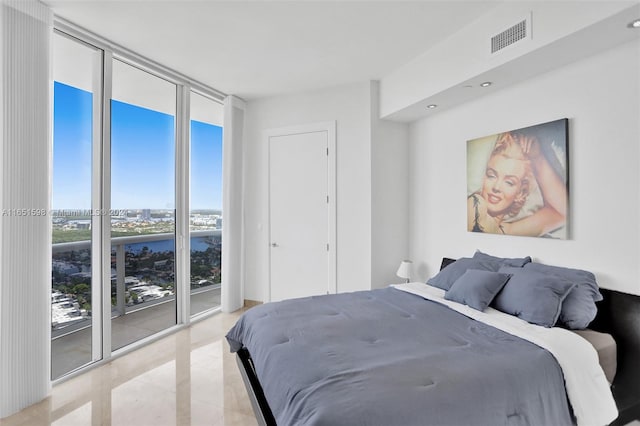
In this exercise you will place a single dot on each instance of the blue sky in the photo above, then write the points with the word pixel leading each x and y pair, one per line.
pixel 142 156
pixel 72 112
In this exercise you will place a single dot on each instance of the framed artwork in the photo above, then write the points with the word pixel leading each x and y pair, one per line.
pixel 518 182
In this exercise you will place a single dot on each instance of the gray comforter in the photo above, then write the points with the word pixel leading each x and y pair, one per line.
pixel 386 357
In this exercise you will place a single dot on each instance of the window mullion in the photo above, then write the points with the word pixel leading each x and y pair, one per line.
pixel 104 195
pixel 183 240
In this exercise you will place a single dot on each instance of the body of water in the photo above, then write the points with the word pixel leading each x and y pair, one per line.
pixel 197 244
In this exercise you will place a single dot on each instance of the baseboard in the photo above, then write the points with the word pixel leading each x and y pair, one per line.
pixel 251 303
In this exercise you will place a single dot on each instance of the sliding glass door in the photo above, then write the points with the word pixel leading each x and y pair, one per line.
pixel 143 147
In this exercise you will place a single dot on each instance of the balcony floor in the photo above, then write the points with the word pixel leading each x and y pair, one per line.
pixel 73 350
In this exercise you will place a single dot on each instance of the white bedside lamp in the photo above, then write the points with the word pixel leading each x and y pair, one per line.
pixel 404 271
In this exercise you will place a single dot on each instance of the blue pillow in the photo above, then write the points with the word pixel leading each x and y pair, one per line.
pixel 579 308
pixel 449 274
pixel 533 296
pixel 505 261
pixel 477 288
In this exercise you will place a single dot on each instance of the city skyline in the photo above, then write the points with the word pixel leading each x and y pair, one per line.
pixel 142 156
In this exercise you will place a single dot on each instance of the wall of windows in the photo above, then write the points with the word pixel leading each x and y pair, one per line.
pixel 132 257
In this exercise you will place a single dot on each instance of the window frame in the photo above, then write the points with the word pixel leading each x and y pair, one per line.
pixel 101 190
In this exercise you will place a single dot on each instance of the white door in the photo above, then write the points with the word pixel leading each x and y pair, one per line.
pixel 299 213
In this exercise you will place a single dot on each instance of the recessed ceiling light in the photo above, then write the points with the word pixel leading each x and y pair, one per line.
pixel 634 24
pixel 432 106
pixel 485 84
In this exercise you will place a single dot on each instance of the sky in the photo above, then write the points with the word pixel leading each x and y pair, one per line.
pixel 142 156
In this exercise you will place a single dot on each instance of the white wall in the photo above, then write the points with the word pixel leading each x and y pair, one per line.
pixel 562 32
pixel 349 106
pixel 389 195
pixel 372 184
pixel 601 97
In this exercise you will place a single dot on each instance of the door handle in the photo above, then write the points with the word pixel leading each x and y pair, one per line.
pixel 274 245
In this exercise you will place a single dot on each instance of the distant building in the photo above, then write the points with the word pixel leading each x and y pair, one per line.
pixel 160 264
pixel 146 214
pixel 131 281
pixel 80 224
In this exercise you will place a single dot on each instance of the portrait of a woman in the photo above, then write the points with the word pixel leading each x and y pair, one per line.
pixel 517 182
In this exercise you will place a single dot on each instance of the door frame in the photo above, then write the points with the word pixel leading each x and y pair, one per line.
pixel 330 128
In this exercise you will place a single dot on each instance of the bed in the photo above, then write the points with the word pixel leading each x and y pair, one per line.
pixel 406 355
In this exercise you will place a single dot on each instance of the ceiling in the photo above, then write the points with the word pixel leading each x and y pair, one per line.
pixel 256 49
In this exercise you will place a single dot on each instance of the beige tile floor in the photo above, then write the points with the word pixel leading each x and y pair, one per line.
pixel 187 378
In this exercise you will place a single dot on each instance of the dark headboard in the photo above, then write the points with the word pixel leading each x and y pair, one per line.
pixel 446 261
pixel 619 315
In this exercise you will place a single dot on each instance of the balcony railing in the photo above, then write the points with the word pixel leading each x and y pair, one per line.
pixel 123 282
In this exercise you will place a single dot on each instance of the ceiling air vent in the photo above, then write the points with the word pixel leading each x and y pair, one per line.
pixel 510 36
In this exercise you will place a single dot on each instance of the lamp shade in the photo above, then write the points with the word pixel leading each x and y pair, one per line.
pixel 404 271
